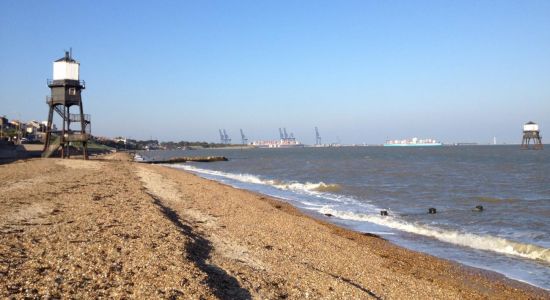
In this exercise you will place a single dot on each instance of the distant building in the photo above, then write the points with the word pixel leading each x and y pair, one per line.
pixel 3 126
pixel 35 131
pixel 19 125
pixel 3 121
pixel 125 141
pixel 10 125
pixel 33 127
pixel 152 146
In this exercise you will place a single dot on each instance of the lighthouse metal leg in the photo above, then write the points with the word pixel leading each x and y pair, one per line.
pixel 63 132
pixel 531 137
pixel 83 131
pixel 68 130
pixel 538 143
pixel 48 129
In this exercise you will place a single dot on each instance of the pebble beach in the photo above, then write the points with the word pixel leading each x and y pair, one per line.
pixel 113 228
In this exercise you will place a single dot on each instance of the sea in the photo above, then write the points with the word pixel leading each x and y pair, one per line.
pixel 350 186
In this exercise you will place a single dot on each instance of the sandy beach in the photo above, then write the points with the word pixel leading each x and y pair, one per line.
pixel 112 228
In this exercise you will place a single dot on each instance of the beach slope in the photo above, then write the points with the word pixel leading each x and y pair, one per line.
pixel 116 229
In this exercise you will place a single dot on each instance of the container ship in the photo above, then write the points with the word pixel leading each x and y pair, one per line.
pixel 277 144
pixel 286 141
pixel 414 142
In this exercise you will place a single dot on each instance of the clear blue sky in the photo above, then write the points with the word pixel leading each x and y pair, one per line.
pixel 362 71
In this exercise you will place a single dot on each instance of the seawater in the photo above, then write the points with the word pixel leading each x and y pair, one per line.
pixel 352 184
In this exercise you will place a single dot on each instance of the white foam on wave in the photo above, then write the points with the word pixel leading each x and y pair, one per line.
pixel 475 241
pixel 310 187
pixel 481 242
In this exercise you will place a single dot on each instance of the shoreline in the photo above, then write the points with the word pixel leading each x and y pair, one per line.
pixel 346 232
pixel 114 228
pixel 329 220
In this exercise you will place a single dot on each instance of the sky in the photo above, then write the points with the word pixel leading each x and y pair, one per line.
pixel 361 71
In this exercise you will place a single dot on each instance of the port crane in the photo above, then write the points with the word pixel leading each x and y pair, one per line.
pixel 286 135
pixel 291 137
pixel 283 134
pixel 224 138
pixel 317 136
pixel 244 140
pixel 227 139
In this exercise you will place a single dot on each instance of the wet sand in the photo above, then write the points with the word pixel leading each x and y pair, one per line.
pixel 116 229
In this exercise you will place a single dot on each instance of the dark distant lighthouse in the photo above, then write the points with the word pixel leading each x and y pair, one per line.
pixel 531 132
pixel 66 88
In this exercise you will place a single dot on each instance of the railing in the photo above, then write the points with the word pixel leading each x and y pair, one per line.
pixel 76 118
pixel 71 136
pixel 82 83
pixel 50 100
pixel 76 137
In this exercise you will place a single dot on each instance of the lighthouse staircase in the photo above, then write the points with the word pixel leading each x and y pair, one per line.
pixel 53 146
pixel 74 118
pixel 70 136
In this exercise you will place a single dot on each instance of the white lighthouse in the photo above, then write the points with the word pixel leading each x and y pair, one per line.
pixel 531 132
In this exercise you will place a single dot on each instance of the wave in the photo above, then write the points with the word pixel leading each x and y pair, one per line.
pixel 248 178
pixel 323 190
pixel 309 186
pixel 481 242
